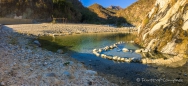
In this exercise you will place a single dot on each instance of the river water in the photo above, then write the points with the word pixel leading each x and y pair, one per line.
pixel 80 46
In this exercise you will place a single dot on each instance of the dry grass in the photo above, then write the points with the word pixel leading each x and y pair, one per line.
pixel 145 22
pixel 137 11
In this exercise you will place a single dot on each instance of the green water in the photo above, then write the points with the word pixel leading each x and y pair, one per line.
pixel 84 42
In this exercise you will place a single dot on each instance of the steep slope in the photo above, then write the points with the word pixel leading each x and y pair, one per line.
pixel 73 10
pixel 165 28
pixel 66 9
pixel 26 8
pixel 101 11
pixel 107 15
pixel 136 12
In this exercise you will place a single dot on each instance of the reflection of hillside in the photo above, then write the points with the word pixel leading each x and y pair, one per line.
pixel 88 41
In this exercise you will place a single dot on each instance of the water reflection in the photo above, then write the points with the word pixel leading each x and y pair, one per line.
pixel 85 42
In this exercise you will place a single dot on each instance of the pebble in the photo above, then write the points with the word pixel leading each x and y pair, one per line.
pixel 185 74
pixel 2 84
pixel 66 73
pixel 37 43
pixel 45 63
pixel 50 74
pixel 31 69
pixel 91 72
pixel 89 83
pixel 60 51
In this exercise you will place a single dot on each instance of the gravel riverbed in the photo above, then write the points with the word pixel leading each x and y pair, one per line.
pixel 22 63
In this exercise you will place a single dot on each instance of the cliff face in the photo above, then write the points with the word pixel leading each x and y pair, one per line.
pixel 136 12
pixel 165 28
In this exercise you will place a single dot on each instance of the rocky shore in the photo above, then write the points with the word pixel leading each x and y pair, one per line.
pixel 63 29
pixel 24 63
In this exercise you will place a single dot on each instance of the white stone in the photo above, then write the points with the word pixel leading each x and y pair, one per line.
pixel 138 51
pixel 118 58
pixel 94 50
pixel 144 61
pixel 122 59
pixel 115 57
pixel 100 50
pixel 125 50
pixel 103 55
pixel 127 59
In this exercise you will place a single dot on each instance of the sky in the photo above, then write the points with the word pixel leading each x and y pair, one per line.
pixel 107 3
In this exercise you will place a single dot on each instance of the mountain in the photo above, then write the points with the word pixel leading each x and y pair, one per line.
pixel 107 15
pixel 114 7
pixel 136 12
pixel 165 28
pixel 101 11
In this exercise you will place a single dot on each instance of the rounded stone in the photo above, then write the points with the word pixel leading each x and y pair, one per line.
pixel 125 50
pixel 60 51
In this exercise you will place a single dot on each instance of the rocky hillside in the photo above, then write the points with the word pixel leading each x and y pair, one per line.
pixel 26 8
pixel 101 11
pixel 165 28
pixel 136 12
pixel 73 10
pixel 107 15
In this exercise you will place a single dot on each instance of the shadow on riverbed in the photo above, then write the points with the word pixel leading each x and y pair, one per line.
pixel 137 73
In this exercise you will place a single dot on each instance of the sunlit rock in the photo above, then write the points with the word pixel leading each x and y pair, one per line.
pixel 125 50
pixel 115 57
pixel 100 50
pixel 122 59
pixel 118 58
pixel 164 26
pixel 103 55
pixel 127 59
pixel 138 51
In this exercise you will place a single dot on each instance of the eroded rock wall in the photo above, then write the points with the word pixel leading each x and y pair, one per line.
pixel 165 28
